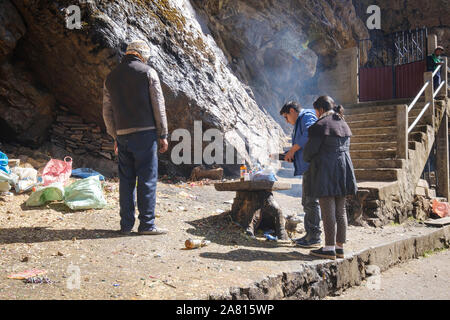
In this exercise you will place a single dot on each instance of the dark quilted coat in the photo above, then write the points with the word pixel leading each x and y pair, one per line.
pixel 328 152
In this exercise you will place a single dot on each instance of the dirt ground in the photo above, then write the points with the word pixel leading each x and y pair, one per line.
pixel 85 258
pixel 426 278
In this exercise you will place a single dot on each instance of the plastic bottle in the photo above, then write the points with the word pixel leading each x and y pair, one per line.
pixel 243 172
pixel 194 243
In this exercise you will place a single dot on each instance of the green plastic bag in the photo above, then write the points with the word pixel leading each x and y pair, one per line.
pixel 53 192
pixel 85 194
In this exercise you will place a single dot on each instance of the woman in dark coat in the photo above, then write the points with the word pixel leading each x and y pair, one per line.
pixel 331 171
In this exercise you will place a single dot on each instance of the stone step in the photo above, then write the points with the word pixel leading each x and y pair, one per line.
pixel 369 154
pixel 373 145
pixel 378 174
pixel 377 163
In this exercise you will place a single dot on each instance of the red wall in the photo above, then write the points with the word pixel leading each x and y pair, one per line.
pixel 377 83
pixel 409 79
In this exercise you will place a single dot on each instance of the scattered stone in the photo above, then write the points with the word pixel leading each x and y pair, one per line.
pixel 372 270
pixel 199 173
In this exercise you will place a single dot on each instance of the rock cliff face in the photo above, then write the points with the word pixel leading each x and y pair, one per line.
pixel 72 65
pixel 280 47
pixel 410 14
pixel 228 63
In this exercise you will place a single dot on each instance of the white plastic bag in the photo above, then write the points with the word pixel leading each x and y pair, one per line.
pixel 10 178
pixel 4 186
pixel 25 173
pixel 27 178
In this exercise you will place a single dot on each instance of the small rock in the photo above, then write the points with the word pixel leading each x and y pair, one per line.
pixel 372 270
pixel 25 259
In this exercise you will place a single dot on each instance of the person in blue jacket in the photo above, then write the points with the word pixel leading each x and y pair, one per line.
pixel 302 119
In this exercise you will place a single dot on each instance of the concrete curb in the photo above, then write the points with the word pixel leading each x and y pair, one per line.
pixel 321 278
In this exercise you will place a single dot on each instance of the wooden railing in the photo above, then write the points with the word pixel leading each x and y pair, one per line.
pixel 403 130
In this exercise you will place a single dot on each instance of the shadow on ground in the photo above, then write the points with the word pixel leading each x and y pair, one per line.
pixel 57 206
pixel 221 230
pixel 42 234
pixel 256 255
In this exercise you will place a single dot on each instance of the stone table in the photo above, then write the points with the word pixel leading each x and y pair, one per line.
pixel 255 207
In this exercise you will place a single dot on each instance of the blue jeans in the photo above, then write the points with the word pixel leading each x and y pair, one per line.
pixel 138 159
pixel 311 208
pixel 437 80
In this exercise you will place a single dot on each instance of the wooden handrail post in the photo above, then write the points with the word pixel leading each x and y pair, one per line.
pixel 442 159
pixel 402 131
pixel 429 92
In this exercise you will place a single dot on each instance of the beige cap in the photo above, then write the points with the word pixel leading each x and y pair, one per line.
pixel 439 47
pixel 141 47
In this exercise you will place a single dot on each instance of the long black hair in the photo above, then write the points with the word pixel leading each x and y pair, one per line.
pixel 326 103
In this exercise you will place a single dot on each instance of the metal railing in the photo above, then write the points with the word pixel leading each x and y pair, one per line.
pixel 403 111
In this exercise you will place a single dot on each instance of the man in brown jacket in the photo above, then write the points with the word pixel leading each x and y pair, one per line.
pixel 135 116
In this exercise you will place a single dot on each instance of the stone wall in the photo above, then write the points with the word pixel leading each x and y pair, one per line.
pixel 71 133
pixel 341 81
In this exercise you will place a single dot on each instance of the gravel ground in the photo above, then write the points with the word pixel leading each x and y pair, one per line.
pixel 86 259
pixel 426 278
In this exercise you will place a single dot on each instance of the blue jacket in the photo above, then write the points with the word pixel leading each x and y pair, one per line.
pixel 306 118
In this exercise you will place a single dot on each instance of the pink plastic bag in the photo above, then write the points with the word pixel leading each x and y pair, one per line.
pixel 57 171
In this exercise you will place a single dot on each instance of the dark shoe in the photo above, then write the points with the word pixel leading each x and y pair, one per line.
pixel 301 239
pixel 323 254
pixel 340 253
pixel 153 232
pixel 313 243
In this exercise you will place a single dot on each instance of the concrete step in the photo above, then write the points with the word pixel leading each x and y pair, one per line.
pixel 369 154
pixel 379 119
pixel 370 109
pixel 422 121
pixel 417 136
pixel 377 163
pixel 413 145
pixel 370 123
pixel 379 174
pixel 371 116
pixel 420 128
pixel 380 130
pixel 389 145
pixel 406 101
pixel 374 138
